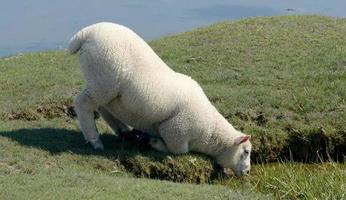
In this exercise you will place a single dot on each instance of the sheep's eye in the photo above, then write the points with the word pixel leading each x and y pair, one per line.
pixel 246 152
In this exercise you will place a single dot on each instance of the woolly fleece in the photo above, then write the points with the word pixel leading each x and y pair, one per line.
pixel 125 77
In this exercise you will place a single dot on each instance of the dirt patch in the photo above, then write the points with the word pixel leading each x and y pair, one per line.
pixel 315 145
pixel 179 169
pixel 307 145
pixel 47 111
pixel 267 148
pixel 337 146
pixel 217 99
pixel 259 118
pixel 242 116
pixel 195 59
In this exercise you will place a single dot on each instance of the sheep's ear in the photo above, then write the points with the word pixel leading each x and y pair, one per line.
pixel 242 139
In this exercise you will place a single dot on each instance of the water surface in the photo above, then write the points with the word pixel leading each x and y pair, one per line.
pixel 36 25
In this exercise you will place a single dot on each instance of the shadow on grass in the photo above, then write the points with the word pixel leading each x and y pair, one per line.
pixel 135 157
pixel 57 141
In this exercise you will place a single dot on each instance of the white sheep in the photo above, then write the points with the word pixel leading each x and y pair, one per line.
pixel 131 87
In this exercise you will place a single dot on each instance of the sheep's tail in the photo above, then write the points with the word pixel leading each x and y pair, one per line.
pixel 76 42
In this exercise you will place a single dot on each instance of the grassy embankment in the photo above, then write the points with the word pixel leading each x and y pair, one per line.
pixel 280 79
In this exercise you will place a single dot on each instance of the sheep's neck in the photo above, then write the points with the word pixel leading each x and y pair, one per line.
pixel 219 137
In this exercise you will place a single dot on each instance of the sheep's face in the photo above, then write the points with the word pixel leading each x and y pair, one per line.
pixel 237 157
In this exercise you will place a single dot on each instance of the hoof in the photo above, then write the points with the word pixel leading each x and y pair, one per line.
pixel 97 144
pixel 134 136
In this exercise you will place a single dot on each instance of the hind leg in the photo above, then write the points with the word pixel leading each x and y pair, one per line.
pixel 85 107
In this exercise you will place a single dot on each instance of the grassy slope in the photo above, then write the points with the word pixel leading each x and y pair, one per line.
pixel 269 76
pixel 275 78
pixel 27 82
pixel 281 79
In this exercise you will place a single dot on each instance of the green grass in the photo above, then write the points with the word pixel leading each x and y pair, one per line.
pixel 270 76
pixel 296 180
pixel 49 160
pixel 63 184
pixel 280 79
pixel 33 154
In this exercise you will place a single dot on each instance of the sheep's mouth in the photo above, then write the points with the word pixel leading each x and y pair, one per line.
pixel 231 172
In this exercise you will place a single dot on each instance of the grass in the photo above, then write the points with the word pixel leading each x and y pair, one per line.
pixel 296 180
pixel 63 184
pixel 42 152
pixel 280 79
pixel 49 160
pixel 270 76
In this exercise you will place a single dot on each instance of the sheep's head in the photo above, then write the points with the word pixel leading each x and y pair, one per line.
pixel 237 156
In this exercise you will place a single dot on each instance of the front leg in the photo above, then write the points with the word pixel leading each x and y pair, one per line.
pixel 85 108
pixel 174 136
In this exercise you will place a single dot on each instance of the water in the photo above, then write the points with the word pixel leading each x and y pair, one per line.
pixel 36 25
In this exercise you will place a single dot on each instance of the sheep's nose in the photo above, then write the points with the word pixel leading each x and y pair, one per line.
pixel 246 172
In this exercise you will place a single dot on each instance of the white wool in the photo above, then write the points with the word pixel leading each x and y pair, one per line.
pixel 126 77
